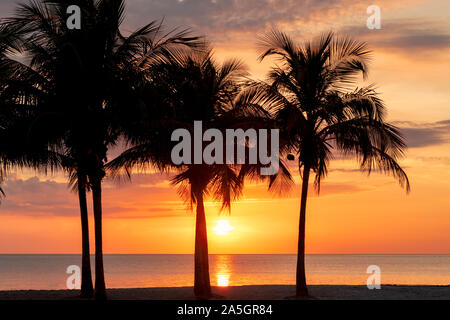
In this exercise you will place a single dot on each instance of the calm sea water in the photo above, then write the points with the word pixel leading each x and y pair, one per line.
pixel 23 272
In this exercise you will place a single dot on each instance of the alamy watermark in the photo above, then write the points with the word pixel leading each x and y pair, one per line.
pixel 374 20
pixel 74 280
pixel 74 20
pixel 222 149
pixel 374 280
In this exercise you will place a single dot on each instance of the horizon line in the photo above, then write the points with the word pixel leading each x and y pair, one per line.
pixel 212 254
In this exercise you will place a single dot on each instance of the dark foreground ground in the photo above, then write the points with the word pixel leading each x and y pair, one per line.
pixel 269 292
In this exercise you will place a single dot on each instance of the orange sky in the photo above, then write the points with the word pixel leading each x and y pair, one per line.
pixel 353 214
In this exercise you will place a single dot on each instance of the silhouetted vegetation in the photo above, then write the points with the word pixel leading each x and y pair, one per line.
pixel 312 96
pixel 78 93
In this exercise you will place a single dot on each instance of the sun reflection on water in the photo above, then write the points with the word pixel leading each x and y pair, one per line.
pixel 222 270
pixel 223 280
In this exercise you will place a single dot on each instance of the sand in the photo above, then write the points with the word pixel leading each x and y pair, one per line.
pixel 268 292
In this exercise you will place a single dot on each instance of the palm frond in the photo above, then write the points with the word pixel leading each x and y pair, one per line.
pixel 279 44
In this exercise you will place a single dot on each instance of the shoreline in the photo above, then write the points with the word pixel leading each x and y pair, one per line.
pixel 251 292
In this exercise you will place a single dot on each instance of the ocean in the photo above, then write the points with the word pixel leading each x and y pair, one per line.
pixel 24 272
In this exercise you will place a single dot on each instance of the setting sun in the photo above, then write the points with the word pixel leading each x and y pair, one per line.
pixel 223 228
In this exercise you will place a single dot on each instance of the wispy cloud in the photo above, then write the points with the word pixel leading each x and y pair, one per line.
pixel 241 20
pixel 149 198
pixel 425 134
pixel 412 36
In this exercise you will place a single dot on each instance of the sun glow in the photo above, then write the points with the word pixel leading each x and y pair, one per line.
pixel 223 227
pixel 223 280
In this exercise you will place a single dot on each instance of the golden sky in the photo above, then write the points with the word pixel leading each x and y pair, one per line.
pixel 353 214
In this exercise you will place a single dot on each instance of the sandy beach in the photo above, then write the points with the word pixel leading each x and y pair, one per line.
pixel 269 292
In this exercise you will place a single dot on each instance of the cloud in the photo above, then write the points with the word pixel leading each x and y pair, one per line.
pixel 241 20
pixel 231 15
pixel 329 188
pixel 141 179
pixel 232 20
pixel 7 7
pixel 39 197
pixel 345 170
pixel 258 192
pixel 434 159
pixel 420 40
pixel 222 18
pixel 425 134
pixel 414 36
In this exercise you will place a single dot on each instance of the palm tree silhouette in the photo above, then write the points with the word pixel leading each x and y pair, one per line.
pixel 83 80
pixel 311 95
pixel 196 88
pixel 8 44
pixel 23 91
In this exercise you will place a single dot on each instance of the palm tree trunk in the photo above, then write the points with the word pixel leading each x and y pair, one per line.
pixel 202 286
pixel 100 288
pixel 87 290
pixel 301 288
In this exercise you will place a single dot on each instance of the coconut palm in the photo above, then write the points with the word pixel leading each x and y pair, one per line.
pixel 82 79
pixel 7 45
pixel 196 88
pixel 19 100
pixel 311 94
pixel 18 148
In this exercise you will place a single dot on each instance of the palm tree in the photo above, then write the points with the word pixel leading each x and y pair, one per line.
pixel 29 88
pixel 8 43
pixel 82 79
pixel 195 88
pixel 312 97
pixel 20 147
